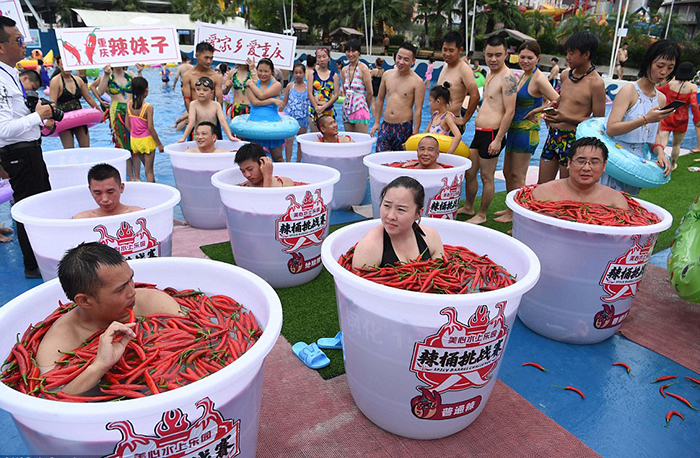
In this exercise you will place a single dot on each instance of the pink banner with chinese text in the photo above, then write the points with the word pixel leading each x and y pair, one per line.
pixel 118 46
pixel 239 45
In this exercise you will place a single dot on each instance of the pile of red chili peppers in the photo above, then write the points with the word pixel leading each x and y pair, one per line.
pixel 588 213
pixel 169 351
pixel 459 271
pixel 410 165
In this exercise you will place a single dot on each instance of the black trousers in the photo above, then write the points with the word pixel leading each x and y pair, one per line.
pixel 25 165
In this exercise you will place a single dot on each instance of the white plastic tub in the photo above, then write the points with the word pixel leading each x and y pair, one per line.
pixel 345 158
pixel 201 204
pixel 69 167
pixel 388 332
pixel 232 395
pixel 47 217
pixel 590 274
pixel 443 187
pixel 277 232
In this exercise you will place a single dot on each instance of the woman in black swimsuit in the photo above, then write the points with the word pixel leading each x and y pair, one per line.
pixel 66 91
pixel 400 237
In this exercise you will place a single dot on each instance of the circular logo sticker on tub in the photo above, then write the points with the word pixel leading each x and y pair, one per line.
pixel 623 274
pixel 132 245
pixel 446 202
pixel 304 224
pixel 458 356
pixel 211 435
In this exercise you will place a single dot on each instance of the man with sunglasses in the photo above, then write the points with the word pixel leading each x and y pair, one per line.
pixel 20 133
pixel 587 158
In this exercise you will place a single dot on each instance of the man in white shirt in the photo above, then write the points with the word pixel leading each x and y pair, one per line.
pixel 20 132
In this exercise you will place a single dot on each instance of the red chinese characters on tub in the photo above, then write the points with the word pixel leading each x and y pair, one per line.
pixel 457 357
pixel 446 202
pixel 304 224
pixel 175 436
pixel 131 245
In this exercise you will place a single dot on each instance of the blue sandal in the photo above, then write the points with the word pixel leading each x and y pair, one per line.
pixel 334 343
pixel 311 355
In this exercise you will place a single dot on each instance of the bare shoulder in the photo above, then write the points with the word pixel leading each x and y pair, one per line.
pixel 152 301
pixel 616 198
pixel 60 337
pixel 85 214
pixel 546 191
pixel 286 182
pixel 368 249
pixel 133 208
pixel 510 83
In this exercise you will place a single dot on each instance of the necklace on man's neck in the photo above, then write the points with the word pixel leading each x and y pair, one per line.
pixel 576 79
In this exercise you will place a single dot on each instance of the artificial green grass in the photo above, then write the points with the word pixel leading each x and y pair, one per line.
pixel 310 310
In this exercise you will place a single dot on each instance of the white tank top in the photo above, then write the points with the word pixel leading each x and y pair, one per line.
pixel 647 132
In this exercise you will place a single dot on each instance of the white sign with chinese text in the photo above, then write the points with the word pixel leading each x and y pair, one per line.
pixel 118 46
pixel 13 10
pixel 239 45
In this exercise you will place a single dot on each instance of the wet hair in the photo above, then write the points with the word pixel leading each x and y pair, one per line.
pixel 409 183
pixel 223 68
pixel 310 60
pixel 207 123
pixel 139 85
pixel 33 76
pixel 531 45
pixel 442 92
pixel 587 141
pixel 321 120
pixel 453 37
pixel 379 62
pixel 101 172
pixel 78 270
pixel 495 41
pixel 206 82
pixel 666 49
pixel 203 47
pixel 249 152
pixel 555 59
pixel 328 53
pixel 408 46
pixel 583 42
pixel 266 61
pixel 353 45
pixel 470 53
pixel 5 22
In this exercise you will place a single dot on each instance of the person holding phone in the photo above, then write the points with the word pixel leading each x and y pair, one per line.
pixel 637 110
pixel 680 92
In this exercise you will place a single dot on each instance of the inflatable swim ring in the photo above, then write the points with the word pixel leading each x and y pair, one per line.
pixel 623 165
pixel 443 140
pixel 171 64
pixel 37 54
pixel 261 130
pixel 92 72
pixel 480 79
pixel 684 260
pixel 341 99
pixel 84 117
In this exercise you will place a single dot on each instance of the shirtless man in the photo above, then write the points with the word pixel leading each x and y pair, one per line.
pixel 582 96
pixel 205 138
pixel 587 158
pixel 404 92
pixel 257 168
pixel 101 284
pixel 106 188
pixel 622 57
pixel 204 52
pixel 553 77
pixel 492 123
pixel 461 78
pixel 183 68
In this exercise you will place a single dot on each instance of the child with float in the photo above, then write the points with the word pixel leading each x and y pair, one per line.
pixel 442 121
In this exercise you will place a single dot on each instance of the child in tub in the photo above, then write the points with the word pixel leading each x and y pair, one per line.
pixel 100 282
pixel 400 237
pixel 206 109
pixel 206 139
pixel 587 158
pixel 328 127
pixel 257 168
pixel 427 151
pixel 106 188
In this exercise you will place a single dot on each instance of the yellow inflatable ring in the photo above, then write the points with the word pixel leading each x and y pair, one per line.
pixel 443 140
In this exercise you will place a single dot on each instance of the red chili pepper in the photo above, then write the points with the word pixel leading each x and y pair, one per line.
pixel 665 377
pixel 571 388
pixel 671 414
pixel 623 365
pixel 71 49
pixel 693 379
pixel 663 387
pixel 682 399
pixel 535 365
pixel 91 44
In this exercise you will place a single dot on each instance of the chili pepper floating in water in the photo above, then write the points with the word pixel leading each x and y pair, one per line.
pixel 671 414
pixel 571 388
pixel 693 379
pixel 91 44
pixel 535 365
pixel 663 387
pixel 682 399
pixel 71 49
pixel 664 377
pixel 623 365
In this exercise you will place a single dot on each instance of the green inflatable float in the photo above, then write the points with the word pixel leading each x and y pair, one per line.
pixel 684 260
pixel 480 79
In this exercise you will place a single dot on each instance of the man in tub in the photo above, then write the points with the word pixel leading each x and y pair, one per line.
pixel 205 137
pixel 256 167
pixel 427 151
pixel 587 159
pixel 106 188
pixel 100 282
pixel 329 131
